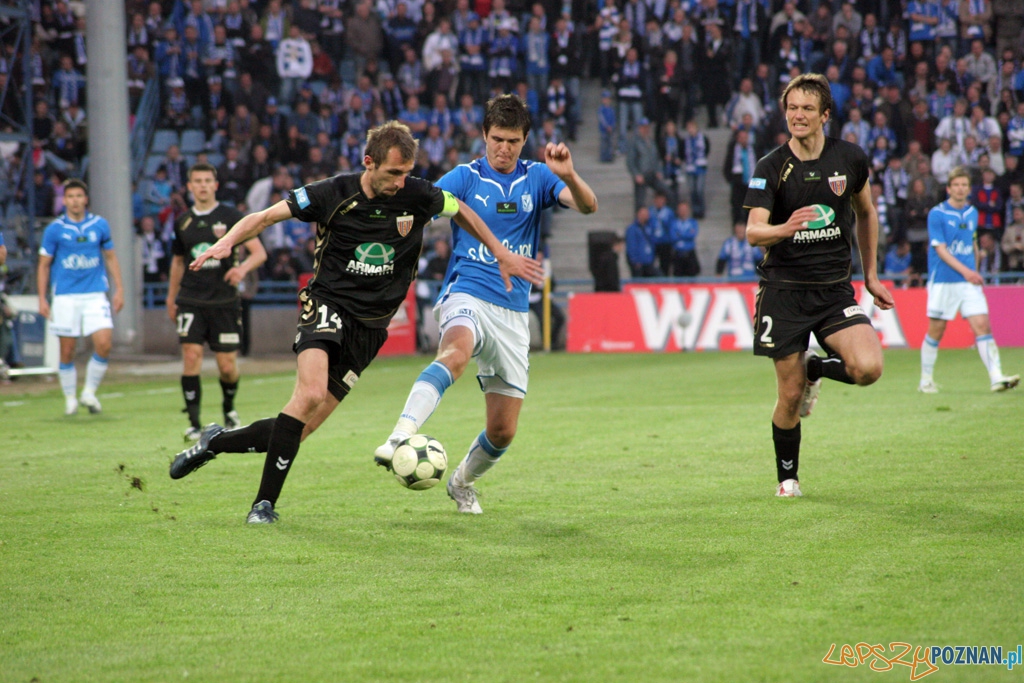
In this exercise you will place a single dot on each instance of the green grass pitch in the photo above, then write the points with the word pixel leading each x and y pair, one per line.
pixel 630 534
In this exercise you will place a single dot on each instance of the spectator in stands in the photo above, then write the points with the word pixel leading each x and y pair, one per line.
pixel 858 128
pixel 177 168
pixel 914 226
pixel 139 71
pixel 697 150
pixel 714 71
pixel 738 259
pixel 670 147
pixel 156 192
pixel 644 163
pixel 738 169
pixel 662 217
pixel 294 63
pixel 629 82
pixel 155 262
pixel 259 58
pixel 990 256
pixel 606 125
pixel 745 101
pixel 68 83
pixel 364 36
pixel 684 242
pixel 178 109
pixel 282 267
pixel 898 264
pixel 233 175
pixel 639 246
pixel 989 200
pixel 1013 241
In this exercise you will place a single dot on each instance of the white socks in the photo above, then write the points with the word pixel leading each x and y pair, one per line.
pixel 94 372
pixel 929 354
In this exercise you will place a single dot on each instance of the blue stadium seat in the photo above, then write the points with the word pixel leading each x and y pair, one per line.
pixel 193 141
pixel 153 162
pixel 162 139
pixel 215 158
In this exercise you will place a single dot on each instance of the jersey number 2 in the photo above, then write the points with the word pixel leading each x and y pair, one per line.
pixel 766 336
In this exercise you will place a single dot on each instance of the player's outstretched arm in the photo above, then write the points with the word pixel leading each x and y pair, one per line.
pixel 577 194
pixel 867 243
pixel 511 265
pixel 761 233
pixel 242 231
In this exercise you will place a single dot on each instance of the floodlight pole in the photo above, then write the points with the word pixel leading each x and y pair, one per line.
pixel 109 159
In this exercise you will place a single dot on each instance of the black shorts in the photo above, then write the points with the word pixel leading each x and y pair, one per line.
pixel 218 326
pixel 785 318
pixel 349 344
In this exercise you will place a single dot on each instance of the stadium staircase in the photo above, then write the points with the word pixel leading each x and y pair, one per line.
pixel 614 189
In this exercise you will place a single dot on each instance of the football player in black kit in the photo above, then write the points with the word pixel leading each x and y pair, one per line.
pixel 805 275
pixel 203 304
pixel 369 230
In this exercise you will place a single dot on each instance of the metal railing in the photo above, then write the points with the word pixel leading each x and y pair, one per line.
pixel 146 116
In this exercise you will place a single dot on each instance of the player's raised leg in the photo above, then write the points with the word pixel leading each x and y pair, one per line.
pixel 453 355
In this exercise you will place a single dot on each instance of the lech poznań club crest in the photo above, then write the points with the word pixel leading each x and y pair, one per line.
pixel 404 225
pixel 219 229
pixel 838 184
pixel 527 203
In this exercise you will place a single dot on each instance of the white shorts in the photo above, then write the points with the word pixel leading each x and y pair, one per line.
pixel 79 315
pixel 946 298
pixel 501 341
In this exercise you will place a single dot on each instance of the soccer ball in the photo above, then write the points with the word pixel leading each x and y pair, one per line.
pixel 419 462
pixel 825 218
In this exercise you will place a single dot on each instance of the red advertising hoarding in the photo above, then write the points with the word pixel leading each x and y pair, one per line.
pixel 719 317
pixel 402 329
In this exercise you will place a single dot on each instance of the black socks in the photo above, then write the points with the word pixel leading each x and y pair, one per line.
pixel 252 438
pixel 192 390
pixel 787 451
pixel 831 367
pixel 281 451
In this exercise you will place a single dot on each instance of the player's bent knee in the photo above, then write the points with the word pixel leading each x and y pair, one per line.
pixel 866 374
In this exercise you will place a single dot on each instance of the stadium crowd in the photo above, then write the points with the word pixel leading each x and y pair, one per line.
pixel 278 93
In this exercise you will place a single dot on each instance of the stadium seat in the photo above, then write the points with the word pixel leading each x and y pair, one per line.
pixel 193 141
pixel 153 162
pixel 163 139
pixel 215 158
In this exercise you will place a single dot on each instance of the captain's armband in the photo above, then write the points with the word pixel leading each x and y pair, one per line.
pixel 451 205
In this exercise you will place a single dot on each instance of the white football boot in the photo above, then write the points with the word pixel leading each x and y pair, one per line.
pixel 789 488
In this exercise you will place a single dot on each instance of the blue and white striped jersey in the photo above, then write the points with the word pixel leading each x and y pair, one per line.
pixel 510 204
pixel 77 251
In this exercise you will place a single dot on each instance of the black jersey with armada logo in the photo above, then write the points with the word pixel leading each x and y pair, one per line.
pixel 367 250
pixel 193 234
pixel 782 183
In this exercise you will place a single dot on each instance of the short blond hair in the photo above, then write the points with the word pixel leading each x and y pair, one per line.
pixel 958 172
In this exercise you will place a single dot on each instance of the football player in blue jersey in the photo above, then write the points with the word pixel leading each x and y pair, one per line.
pixel 478 318
pixel 77 257
pixel 954 283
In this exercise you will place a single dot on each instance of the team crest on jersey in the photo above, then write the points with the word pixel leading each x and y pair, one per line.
pixel 219 229
pixel 527 203
pixel 838 184
pixel 404 224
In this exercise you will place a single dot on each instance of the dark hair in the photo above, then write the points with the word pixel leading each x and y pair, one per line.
pixel 201 167
pixel 392 134
pixel 813 84
pixel 507 111
pixel 72 183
